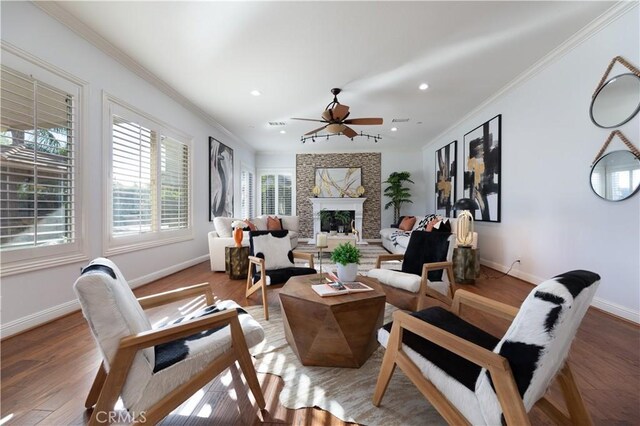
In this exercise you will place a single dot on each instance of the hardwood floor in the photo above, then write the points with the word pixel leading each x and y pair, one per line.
pixel 46 372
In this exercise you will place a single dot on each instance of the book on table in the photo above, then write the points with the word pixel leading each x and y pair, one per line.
pixel 337 288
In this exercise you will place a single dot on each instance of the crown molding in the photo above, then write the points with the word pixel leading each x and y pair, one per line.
pixel 53 9
pixel 591 29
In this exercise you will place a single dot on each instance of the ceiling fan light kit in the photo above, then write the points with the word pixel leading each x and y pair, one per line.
pixel 335 116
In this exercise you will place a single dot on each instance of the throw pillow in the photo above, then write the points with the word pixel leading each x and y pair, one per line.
pixel 274 247
pixel 250 225
pixel 426 247
pixel 431 224
pixel 443 225
pixel 274 223
pixel 407 223
pixel 422 225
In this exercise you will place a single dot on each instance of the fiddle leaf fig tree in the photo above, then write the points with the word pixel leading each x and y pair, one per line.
pixel 397 192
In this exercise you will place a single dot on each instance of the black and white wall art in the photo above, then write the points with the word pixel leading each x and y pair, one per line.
pixel 220 179
pixel 482 169
pixel 446 179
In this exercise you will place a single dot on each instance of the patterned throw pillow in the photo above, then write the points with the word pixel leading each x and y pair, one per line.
pixel 407 223
pixel 273 247
pixel 422 225
pixel 274 223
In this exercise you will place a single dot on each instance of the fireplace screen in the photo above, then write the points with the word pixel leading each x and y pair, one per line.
pixel 338 182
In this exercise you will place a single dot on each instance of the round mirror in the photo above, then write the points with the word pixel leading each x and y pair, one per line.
pixel 617 101
pixel 616 176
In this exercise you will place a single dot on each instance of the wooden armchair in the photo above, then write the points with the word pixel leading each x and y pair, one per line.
pixel 272 262
pixel 421 276
pixel 471 377
pixel 136 357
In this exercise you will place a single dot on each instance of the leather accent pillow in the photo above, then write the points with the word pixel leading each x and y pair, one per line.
pixel 274 247
pixel 426 247
pixel 250 225
pixel 274 223
pixel 407 223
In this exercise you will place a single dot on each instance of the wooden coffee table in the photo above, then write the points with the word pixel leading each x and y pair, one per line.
pixel 337 331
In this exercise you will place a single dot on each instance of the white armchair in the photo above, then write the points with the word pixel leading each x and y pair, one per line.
pixel 155 370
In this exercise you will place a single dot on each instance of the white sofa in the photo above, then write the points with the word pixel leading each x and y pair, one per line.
pixel 398 245
pixel 223 237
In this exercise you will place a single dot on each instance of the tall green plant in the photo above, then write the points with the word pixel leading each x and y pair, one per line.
pixel 397 192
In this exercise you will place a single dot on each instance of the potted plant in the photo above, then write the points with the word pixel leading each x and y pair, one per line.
pixel 397 192
pixel 346 257
pixel 342 217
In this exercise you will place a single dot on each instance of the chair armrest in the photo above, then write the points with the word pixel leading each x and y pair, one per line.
pixel 498 309
pixel 434 266
pixel 170 296
pixel 150 338
pixel 305 256
pixel 470 351
pixel 256 260
pixel 387 258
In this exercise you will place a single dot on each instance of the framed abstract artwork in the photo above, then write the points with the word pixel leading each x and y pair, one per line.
pixel 446 179
pixel 338 182
pixel 482 169
pixel 220 179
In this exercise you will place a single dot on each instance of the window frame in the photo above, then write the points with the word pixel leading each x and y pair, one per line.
pixel 27 259
pixel 280 171
pixel 113 106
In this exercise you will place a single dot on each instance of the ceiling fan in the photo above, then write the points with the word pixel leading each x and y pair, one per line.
pixel 335 116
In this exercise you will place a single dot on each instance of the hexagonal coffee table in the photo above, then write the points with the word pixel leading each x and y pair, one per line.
pixel 336 331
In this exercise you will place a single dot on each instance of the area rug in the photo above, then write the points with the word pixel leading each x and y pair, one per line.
pixel 369 254
pixel 344 392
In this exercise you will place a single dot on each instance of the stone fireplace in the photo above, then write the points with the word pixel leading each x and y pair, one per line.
pixel 331 204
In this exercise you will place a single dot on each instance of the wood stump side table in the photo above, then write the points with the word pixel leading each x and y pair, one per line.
pixel 236 262
pixel 466 265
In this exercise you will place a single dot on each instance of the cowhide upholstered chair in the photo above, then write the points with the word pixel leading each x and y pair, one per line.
pixel 428 255
pixel 271 262
pixel 155 370
pixel 470 376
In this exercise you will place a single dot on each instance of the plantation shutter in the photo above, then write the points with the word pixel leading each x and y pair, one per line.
pixel 174 184
pixel 284 195
pixel 246 193
pixel 132 175
pixel 268 194
pixel 37 167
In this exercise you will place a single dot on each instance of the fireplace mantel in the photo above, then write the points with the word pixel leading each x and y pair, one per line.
pixel 348 203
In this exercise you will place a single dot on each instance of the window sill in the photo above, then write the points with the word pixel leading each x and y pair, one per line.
pixel 135 246
pixel 20 267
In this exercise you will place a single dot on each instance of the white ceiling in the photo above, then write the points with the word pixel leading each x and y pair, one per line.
pixel 216 53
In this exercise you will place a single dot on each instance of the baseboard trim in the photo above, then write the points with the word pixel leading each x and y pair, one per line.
pixel 39 318
pixel 603 305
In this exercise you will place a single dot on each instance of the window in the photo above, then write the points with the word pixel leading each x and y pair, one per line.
pixel 276 193
pixel 150 190
pixel 246 194
pixel 39 208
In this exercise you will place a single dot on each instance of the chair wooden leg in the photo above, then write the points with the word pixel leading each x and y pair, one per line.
pixel 113 384
pixel 388 365
pixel 96 387
pixel 246 364
pixel 575 404
pixel 508 395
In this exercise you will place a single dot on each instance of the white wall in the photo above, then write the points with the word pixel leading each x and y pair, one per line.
pixel 30 298
pixel 551 219
pixel 391 161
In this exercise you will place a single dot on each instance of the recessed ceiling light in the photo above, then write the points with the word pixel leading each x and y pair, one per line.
pixel 283 131
pixel 256 93
pixel 423 86
pixel 394 129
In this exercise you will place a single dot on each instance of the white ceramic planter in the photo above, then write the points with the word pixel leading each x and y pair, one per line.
pixel 347 272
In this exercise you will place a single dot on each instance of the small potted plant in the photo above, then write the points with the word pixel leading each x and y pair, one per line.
pixel 346 257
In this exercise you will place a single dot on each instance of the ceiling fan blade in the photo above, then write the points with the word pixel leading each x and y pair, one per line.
pixel 349 132
pixel 340 112
pixel 309 119
pixel 316 130
pixel 370 121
